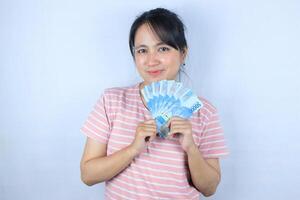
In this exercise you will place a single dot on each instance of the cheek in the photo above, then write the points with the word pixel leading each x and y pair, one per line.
pixel 172 59
pixel 139 61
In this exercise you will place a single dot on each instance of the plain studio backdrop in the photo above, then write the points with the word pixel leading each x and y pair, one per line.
pixel 57 56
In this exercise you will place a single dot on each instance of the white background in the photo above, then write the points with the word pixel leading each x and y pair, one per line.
pixel 57 56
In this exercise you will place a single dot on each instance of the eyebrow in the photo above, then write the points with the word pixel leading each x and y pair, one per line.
pixel 143 45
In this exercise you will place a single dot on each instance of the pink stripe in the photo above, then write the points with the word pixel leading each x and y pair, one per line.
pixel 97 124
pixel 154 165
pixel 128 190
pixel 213 145
pixel 162 187
pixel 215 152
pixel 93 136
pixel 213 131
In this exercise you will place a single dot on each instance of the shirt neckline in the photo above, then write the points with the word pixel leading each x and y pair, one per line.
pixel 140 100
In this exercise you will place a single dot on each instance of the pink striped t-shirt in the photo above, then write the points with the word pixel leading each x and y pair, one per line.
pixel 160 171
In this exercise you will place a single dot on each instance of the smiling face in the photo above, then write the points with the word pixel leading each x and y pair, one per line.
pixel 154 59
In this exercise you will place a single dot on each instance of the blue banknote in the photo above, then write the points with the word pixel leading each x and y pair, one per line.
pixel 168 98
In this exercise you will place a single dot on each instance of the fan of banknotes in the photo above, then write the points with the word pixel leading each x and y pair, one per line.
pixel 168 98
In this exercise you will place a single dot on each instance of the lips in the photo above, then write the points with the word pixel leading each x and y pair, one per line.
pixel 155 72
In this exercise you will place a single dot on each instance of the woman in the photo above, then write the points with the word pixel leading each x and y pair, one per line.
pixel 122 148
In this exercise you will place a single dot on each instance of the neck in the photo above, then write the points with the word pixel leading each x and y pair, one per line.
pixel 141 86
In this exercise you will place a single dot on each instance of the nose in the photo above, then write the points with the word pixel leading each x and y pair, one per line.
pixel 152 59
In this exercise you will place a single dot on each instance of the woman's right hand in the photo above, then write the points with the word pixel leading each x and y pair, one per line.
pixel 145 133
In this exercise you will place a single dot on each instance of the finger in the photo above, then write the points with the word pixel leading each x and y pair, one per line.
pixel 179 121
pixel 176 120
pixel 150 121
pixel 149 125
pixel 148 129
pixel 181 126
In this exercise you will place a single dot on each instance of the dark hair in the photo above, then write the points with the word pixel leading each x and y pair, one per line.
pixel 166 24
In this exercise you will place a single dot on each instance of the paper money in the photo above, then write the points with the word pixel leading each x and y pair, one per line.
pixel 168 98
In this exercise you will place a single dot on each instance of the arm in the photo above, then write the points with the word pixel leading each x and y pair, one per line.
pixel 205 173
pixel 97 167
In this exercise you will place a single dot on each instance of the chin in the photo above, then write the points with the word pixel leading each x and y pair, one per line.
pixel 155 79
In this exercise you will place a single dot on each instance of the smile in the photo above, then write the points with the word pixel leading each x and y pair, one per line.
pixel 155 72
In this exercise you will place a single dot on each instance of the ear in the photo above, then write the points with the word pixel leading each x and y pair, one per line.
pixel 184 53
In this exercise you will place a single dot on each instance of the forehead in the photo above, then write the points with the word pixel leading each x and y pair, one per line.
pixel 146 36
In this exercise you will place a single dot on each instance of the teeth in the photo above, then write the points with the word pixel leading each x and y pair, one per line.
pixel 168 98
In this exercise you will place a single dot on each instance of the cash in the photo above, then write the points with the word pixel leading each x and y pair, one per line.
pixel 168 98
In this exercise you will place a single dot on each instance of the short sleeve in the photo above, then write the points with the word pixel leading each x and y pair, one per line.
pixel 97 124
pixel 213 143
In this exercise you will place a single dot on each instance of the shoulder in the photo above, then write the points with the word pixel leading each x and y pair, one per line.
pixel 207 111
pixel 120 93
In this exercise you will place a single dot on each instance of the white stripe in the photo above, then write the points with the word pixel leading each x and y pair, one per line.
pixel 213 122
pixel 124 197
pixel 127 117
pixel 126 123
pixel 131 192
pixel 97 119
pixel 110 197
pixel 98 129
pixel 150 183
pixel 165 158
pixel 212 129
pixel 214 135
pixel 206 115
pixel 119 142
pixel 123 103
pixel 196 196
pixel 155 191
pixel 206 104
pixel 122 93
pixel 212 142
pixel 207 110
pixel 166 151
pixel 101 115
pixel 217 154
pixel 157 163
pixel 166 144
pixel 121 96
pixel 198 131
pixel 94 133
pixel 213 148
pixel 101 122
pixel 153 176
pixel 124 136
pixel 155 170
pixel 124 129
pixel 126 110
pixel 122 90
pixel 197 124
pixel 99 106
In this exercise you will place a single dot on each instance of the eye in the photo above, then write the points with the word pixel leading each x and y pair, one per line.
pixel 163 49
pixel 141 51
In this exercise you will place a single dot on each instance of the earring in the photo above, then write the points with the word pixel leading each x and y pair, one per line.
pixel 182 65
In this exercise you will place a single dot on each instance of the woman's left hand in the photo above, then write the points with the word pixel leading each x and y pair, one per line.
pixel 181 128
